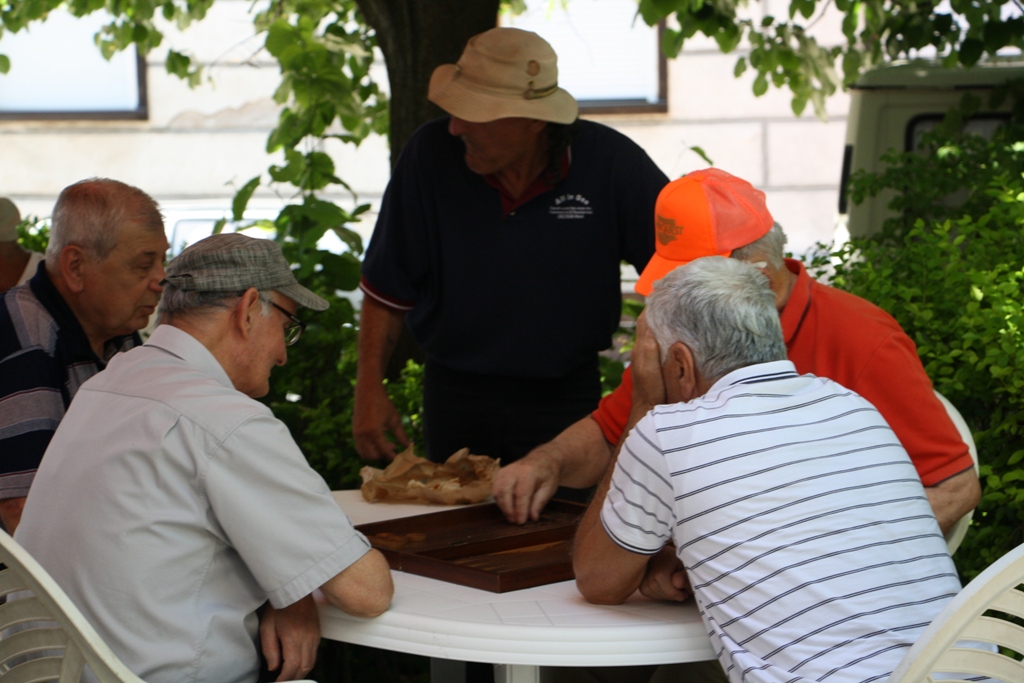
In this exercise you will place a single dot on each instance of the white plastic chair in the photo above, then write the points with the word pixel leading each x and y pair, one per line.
pixel 45 637
pixel 956 533
pixel 964 618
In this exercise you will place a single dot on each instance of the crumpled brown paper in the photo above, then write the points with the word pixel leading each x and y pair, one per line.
pixel 462 479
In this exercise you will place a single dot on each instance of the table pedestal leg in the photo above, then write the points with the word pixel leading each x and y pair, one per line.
pixel 452 671
pixel 447 671
pixel 516 673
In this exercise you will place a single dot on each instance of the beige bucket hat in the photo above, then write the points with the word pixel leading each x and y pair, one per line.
pixel 503 72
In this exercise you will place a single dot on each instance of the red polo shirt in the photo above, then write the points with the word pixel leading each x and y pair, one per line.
pixel 834 334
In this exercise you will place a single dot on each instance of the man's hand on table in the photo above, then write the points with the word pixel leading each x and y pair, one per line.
pixel 523 488
pixel 665 578
pixel 374 417
pixel 576 458
pixel 290 637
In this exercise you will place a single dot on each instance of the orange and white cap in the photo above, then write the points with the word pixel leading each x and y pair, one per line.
pixel 704 213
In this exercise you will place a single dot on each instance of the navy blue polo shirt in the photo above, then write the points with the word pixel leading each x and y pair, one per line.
pixel 45 357
pixel 532 294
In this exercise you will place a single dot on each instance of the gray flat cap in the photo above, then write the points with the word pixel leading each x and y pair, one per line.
pixel 232 262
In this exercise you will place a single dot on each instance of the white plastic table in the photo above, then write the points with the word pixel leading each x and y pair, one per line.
pixel 518 631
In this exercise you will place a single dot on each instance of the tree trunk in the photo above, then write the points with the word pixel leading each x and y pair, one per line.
pixel 415 37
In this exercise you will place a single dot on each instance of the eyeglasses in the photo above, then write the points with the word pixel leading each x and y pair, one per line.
pixel 293 331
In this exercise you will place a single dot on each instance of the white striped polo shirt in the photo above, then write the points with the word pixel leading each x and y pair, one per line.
pixel 809 541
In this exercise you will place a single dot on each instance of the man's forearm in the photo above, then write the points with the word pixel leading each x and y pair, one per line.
pixel 581 452
pixel 364 588
pixel 375 422
pixel 953 498
pixel 605 573
pixel 379 328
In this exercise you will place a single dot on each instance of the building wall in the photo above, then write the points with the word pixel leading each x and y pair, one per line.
pixel 199 144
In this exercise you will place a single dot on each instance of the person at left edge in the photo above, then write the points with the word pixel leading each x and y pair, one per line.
pixel 17 264
pixel 499 242
pixel 99 285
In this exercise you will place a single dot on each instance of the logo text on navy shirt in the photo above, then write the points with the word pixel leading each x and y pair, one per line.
pixel 571 206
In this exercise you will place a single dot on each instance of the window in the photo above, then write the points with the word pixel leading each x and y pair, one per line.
pixel 57 72
pixel 608 58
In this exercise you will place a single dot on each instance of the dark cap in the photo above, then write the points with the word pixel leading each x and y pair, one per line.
pixel 232 262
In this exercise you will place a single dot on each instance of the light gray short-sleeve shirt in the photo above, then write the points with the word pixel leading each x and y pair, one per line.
pixel 170 506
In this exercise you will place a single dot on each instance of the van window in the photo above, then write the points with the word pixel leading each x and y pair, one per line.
pixel 982 124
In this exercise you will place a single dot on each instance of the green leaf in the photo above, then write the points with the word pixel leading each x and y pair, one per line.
pixel 343 270
pixel 671 42
pixel 241 199
pixel 653 11
pixel 281 36
pixel 996 35
pixel 702 154
pixel 760 86
pixel 728 38
pixel 5 64
pixel 970 51
pixel 799 103
pixel 178 64
pixel 741 66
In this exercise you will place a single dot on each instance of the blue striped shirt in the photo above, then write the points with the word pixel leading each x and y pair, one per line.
pixel 45 356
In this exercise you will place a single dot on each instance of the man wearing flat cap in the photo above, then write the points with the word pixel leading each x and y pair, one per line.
pixel 499 243
pixel 171 505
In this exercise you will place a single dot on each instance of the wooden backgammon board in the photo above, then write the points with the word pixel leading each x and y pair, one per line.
pixel 477 547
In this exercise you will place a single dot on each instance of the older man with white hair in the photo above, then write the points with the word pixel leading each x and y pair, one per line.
pixel 805 532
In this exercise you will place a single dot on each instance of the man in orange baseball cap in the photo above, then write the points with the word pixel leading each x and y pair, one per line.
pixel 828 332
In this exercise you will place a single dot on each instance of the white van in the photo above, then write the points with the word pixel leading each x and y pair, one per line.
pixel 890 107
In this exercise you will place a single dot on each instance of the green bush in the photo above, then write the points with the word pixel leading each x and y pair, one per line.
pixel 34 234
pixel 949 266
pixel 313 394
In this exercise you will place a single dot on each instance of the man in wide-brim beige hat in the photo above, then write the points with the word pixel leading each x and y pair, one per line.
pixel 499 242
